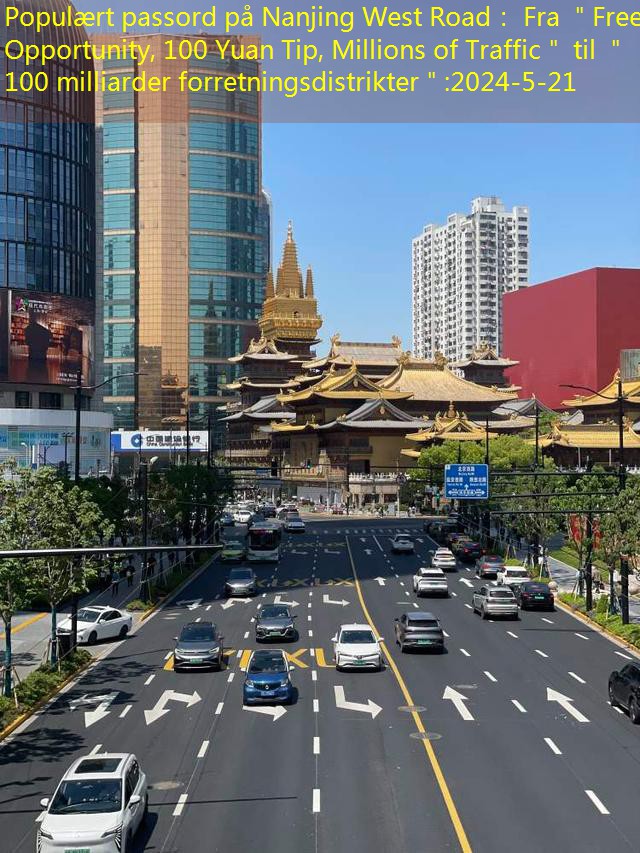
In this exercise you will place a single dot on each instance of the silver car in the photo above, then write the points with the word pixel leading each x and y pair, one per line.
pixel 275 621
pixel 240 582
pixel 495 601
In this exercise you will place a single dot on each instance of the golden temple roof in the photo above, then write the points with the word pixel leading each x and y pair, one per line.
pixel 433 382
pixel 367 353
pixel 630 390
pixel 278 426
pixel 347 384
pixel 485 354
pixel 452 426
pixel 264 349
pixel 603 436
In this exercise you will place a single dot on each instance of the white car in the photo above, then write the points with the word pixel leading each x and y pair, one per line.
pixel 402 544
pixel 443 559
pixel 512 576
pixel 293 523
pixel 430 582
pixel 99 805
pixel 243 516
pixel 356 646
pixel 99 622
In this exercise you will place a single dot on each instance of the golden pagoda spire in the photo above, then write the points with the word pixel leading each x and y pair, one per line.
pixel 289 278
pixel 269 292
pixel 308 289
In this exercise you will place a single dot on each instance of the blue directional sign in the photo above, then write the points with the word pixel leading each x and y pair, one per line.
pixel 466 482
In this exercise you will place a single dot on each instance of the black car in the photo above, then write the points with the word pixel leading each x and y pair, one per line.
pixel 468 551
pixel 198 646
pixel 419 631
pixel 624 690
pixel 532 594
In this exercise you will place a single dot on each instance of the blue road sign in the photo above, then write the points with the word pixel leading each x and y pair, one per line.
pixel 466 482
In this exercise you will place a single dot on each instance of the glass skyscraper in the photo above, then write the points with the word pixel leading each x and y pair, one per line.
pixel 185 246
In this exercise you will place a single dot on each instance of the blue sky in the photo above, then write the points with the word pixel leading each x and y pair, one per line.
pixel 358 193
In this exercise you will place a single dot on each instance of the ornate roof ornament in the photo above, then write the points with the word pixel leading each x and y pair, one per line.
pixel 439 360
pixel 396 341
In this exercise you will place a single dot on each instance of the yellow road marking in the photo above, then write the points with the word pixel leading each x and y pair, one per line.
pixel 321 660
pixel 25 624
pixel 168 664
pixel 294 658
pixel 244 659
pixel 435 764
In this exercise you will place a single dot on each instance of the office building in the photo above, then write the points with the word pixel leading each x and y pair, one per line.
pixel 460 271
pixel 185 246
pixel 48 264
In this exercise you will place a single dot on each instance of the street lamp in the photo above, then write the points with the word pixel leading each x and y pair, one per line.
pixel 66 436
pixel 27 448
pixel 624 567
pixel 144 471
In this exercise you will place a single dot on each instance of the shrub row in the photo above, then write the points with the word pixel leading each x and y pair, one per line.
pixel 600 615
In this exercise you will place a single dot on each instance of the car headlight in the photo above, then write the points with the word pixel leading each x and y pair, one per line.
pixel 249 683
pixel 214 650
pixel 284 683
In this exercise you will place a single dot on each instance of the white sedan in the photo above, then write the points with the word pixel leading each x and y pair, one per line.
pixel 243 516
pixel 512 576
pixel 99 623
pixel 443 559
pixel 99 805
pixel 357 647
pixel 294 524
pixel 430 582
pixel 402 544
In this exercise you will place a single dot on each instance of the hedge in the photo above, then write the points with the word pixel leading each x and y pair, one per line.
pixel 601 616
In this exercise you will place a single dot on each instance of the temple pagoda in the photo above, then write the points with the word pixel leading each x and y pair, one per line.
pixel 485 367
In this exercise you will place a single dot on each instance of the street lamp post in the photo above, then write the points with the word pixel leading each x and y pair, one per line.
pixel 66 436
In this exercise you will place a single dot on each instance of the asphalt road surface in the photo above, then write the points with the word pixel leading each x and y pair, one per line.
pixel 387 762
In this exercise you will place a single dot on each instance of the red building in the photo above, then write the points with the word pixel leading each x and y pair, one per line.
pixel 570 330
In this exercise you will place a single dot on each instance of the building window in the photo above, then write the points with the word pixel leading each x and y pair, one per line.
pixel 50 400
pixel 23 400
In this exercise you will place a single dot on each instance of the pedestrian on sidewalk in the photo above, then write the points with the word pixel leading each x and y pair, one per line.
pixel 129 571
pixel 115 582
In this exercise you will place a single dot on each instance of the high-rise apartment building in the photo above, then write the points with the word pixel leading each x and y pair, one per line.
pixel 185 245
pixel 461 271
pixel 48 261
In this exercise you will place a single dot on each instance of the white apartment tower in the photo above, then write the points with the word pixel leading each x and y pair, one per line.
pixel 460 272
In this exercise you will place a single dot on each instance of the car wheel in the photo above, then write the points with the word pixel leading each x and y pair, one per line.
pixel 634 710
pixel 484 614
pixel 123 632
pixel 92 638
pixel 516 617
pixel 612 699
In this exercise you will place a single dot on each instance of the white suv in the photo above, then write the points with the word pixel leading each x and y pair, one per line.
pixel 512 576
pixel 443 559
pixel 356 646
pixel 402 544
pixel 430 582
pixel 99 805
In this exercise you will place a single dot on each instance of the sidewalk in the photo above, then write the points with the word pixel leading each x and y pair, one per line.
pixel 31 631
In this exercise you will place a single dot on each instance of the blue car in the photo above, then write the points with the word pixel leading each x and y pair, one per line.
pixel 267 679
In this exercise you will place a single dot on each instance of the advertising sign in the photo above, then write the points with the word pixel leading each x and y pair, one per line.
pixel 466 482
pixel 45 338
pixel 128 441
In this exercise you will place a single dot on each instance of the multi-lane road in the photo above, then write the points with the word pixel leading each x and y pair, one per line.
pixel 505 742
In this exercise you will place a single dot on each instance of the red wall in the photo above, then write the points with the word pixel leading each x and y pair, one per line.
pixel 570 330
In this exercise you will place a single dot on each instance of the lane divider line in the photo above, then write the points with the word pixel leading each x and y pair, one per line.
pixel 520 707
pixel 597 802
pixel 490 677
pixel 316 801
pixel 203 749
pixel 552 746
pixel 219 708
pixel 149 680
pixel 577 678
pixel 182 799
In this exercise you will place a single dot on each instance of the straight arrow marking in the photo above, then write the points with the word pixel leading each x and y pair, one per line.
pixel 380 581
pixel 565 702
pixel 341 702
pixel 458 701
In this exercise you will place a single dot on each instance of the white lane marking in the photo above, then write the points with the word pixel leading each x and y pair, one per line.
pixel 511 634
pixel 149 680
pixel 96 749
pixel 542 654
pixel 182 799
pixel 375 539
pixel 309 618
pixel 239 653
pixel 582 637
pixel 577 678
pixel 401 583
pixel 316 746
pixel 203 749
pixel 168 655
pixel 445 634
pixel 316 800
pixel 454 594
pixel 125 711
pixel 253 619
pixel 310 632
pixel 520 707
pixel 314 675
pixel 310 593
pixel 316 706
pixel 208 607
pixel 406 592
pixel 465 653
pixel 199 618
pixel 489 676
pixel 597 802
pixel 231 676
pixel 246 635
pixel 414 604
pixel 312 652
pixel 626 657
pixel 468 605
pixel 309 604
pixel 552 746
pixel 548 621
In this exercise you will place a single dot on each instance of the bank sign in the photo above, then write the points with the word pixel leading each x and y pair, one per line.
pixel 466 482
pixel 129 441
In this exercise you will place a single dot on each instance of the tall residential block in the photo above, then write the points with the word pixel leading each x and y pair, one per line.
pixel 460 272
pixel 185 245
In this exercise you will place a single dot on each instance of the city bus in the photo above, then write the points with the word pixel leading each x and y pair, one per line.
pixel 263 542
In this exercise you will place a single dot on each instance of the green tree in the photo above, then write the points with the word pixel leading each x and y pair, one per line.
pixel 112 495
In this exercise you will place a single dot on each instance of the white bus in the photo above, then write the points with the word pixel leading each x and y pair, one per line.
pixel 263 542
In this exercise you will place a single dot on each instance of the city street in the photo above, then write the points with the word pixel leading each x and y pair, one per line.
pixel 505 741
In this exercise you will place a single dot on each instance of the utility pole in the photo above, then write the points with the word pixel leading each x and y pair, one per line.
pixel 588 568
pixel 78 420
pixel 144 474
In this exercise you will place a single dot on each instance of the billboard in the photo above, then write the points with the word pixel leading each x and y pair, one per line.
pixel 45 338
pixel 129 441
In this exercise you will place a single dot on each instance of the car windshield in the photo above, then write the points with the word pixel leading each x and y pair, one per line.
pixel 86 615
pixel 267 662
pixel 234 545
pixel 357 637
pixel 197 634
pixel 240 575
pixel 274 612
pixel 535 587
pixel 500 593
pixel 402 538
pixel 86 796
pixel 517 573
pixel 490 558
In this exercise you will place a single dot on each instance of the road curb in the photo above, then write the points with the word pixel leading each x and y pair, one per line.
pixel 582 617
pixel 43 701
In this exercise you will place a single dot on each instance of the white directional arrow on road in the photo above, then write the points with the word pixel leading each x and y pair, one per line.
pixel 362 539
pixel 191 603
pixel 231 601
pixel 278 600
pixel 465 581
pixel 380 581
pixel 159 709
pixel 326 551
pixel 104 700
pixel 458 701
pixel 327 600
pixel 565 702
pixel 341 702
pixel 274 712
pixel 301 553
pixel 367 551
